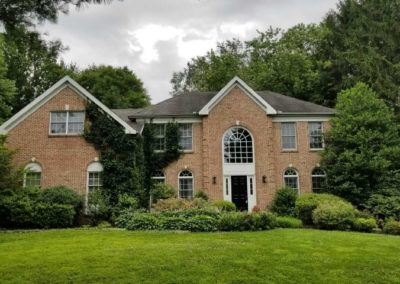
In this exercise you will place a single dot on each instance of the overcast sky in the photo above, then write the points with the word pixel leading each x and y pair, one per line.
pixel 157 37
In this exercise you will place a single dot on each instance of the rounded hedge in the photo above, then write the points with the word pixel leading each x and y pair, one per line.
pixel 364 224
pixel 334 215
pixel 284 202
pixel 392 227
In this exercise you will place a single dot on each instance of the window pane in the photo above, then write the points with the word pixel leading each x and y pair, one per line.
pixel 315 134
pixel 32 179
pixel 76 122
pixel 238 147
pixel 185 131
pixel 186 188
pixel 58 122
pixel 159 137
pixel 288 132
pixel 94 181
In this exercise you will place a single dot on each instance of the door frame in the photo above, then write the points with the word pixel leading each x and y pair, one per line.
pixel 251 190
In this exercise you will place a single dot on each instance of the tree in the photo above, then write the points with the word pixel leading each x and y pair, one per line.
pixel 32 63
pixel 364 38
pixel 362 150
pixel 116 87
pixel 7 88
pixel 28 12
pixel 10 178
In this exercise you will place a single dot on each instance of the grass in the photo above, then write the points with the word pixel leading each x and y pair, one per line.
pixel 277 256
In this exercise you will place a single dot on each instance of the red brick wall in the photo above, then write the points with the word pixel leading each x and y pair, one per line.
pixel 64 159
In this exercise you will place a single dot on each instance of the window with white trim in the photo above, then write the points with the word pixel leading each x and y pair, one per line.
pixel 316 135
pixel 67 122
pixel 186 185
pixel 159 137
pixel 33 175
pixel 186 136
pixel 291 179
pixel 288 134
pixel 158 177
pixel 94 176
pixel 318 178
pixel 238 146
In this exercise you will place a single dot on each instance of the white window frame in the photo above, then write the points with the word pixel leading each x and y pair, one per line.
pixel 95 167
pixel 180 177
pixel 163 137
pixel 309 135
pixel 158 177
pixel 226 138
pixel 317 176
pixel 295 136
pixel 35 168
pixel 285 176
pixel 181 136
pixel 66 123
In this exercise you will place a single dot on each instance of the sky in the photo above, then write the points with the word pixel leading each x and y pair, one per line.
pixel 155 38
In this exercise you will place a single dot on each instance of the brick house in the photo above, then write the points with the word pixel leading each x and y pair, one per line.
pixel 239 145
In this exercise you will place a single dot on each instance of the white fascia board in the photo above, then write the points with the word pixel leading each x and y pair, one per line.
pixel 300 118
pixel 236 81
pixel 177 120
pixel 51 92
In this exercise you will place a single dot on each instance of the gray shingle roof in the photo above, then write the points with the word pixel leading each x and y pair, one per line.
pixel 191 103
pixel 124 115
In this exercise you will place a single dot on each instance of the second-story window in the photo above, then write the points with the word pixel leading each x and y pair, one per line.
pixel 159 137
pixel 67 122
pixel 186 136
pixel 288 132
pixel 315 135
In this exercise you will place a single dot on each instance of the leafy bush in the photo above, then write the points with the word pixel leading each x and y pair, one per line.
pixel 53 215
pixel 201 194
pixel 173 223
pixel 201 223
pixel 334 215
pixel 177 204
pixel 288 222
pixel 284 202
pixel 143 221
pixel 191 212
pixel 383 207
pixel 224 206
pixel 242 221
pixel 163 191
pixel 392 227
pixel 306 204
pixel 16 212
pixel 62 195
pixel 364 224
pixel 98 206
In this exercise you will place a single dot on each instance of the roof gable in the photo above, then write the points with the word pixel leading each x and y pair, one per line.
pixel 236 81
pixel 50 93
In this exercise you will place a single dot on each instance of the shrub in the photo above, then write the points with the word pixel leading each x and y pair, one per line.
pixel 177 204
pixel 364 224
pixel 163 191
pixel 201 194
pixel 53 215
pixel 334 215
pixel 191 212
pixel 201 223
pixel 392 227
pixel 288 222
pixel 16 211
pixel 383 207
pixel 142 221
pixel 242 221
pixel 98 206
pixel 224 206
pixel 284 202
pixel 125 203
pixel 104 225
pixel 306 203
pixel 62 195
pixel 173 223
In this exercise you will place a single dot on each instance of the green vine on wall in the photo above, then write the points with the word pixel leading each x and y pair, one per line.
pixel 129 161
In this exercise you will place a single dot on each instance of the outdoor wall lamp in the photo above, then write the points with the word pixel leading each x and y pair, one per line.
pixel 264 179
pixel 214 180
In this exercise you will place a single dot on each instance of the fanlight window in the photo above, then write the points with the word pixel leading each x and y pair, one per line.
pixel 186 184
pixel 238 146
pixel 318 178
pixel 33 175
pixel 291 179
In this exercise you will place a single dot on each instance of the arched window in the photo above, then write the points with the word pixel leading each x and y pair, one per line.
pixel 186 184
pixel 291 179
pixel 33 175
pixel 238 146
pixel 318 178
pixel 94 176
pixel 158 177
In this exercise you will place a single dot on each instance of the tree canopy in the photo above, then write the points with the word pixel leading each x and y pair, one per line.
pixel 7 87
pixel 116 87
pixel 362 149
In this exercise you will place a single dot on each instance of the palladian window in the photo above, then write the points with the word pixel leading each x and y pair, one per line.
pixel 238 146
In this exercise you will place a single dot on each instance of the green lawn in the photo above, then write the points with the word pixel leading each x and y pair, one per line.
pixel 277 256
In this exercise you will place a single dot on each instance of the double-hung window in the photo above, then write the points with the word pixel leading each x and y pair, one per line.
pixel 315 135
pixel 186 136
pixel 288 132
pixel 67 122
pixel 159 137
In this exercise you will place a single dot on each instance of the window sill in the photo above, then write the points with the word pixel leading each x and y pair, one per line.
pixel 187 151
pixel 316 149
pixel 65 135
pixel 290 151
